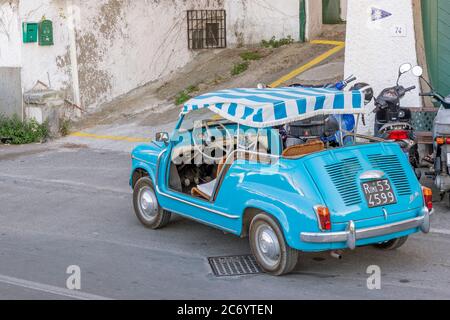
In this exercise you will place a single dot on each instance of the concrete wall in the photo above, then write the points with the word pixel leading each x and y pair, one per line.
pixel 374 51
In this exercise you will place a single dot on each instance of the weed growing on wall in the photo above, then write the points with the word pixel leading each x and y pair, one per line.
pixel 274 43
pixel 185 95
pixel 239 68
pixel 15 131
pixel 250 56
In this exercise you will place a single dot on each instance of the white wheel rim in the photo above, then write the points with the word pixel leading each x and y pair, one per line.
pixel 268 246
pixel 148 204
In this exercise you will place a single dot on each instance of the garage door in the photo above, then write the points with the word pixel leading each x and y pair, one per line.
pixel 436 20
pixel 331 11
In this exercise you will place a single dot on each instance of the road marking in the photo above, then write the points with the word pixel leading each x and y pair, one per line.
pixel 107 137
pixel 50 289
pixel 338 47
pixel 65 183
pixel 441 231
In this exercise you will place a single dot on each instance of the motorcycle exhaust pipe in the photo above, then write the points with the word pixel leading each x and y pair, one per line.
pixel 336 255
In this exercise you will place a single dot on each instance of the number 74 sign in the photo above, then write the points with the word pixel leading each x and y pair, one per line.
pixel 399 31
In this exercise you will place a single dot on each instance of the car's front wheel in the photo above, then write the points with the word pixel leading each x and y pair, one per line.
pixel 146 205
pixel 392 244
pixel 269 246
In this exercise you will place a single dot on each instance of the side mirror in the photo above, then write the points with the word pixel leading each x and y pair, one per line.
pixel 417 71
pixel 404 68
pixel 162 137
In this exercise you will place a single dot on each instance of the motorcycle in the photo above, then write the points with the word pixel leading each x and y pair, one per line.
pixel 392 122
pixel 326 128
pixel 441 137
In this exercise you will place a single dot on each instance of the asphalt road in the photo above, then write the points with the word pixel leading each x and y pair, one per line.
pixel 64 205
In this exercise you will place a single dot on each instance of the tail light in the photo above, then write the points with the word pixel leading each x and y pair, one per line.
pixel 443 140
pixel 398 135
pixel 428 197
pixel 323 214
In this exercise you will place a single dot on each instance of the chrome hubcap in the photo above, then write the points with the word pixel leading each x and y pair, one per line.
pixel 148 204
pixel 268 246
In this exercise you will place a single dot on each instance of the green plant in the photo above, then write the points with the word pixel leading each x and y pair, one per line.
pixel 274 43
pixel 185 95
pixel 250 56
pixel 64 127
pixel 15 131
pixel 239 68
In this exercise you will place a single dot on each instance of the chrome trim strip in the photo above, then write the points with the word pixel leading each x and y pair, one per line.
pixel 351 235
pixel 158 190
pixel 374 174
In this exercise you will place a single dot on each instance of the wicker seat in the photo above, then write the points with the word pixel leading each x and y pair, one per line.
pixel 303 149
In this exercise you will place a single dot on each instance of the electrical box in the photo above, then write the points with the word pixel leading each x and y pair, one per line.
pixel 30 32
pixel 46 33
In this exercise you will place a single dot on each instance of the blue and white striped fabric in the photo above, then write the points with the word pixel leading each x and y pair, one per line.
pixel 261 108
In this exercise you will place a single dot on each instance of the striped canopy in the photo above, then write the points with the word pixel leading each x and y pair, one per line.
pixel 261 108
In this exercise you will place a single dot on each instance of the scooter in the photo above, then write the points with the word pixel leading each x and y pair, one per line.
pixel 441 138
pixel 392 122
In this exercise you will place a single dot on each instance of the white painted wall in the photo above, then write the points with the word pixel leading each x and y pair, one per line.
pixel 40 63
pixel 344 4
pixel 251 21
pixel 123 44
pixel 10 35
pixel 314 19
pixel 374 54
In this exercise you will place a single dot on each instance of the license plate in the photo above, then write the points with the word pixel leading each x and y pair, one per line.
pixel 379 193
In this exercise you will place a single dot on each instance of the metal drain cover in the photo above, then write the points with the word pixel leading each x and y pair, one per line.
pixel 234 266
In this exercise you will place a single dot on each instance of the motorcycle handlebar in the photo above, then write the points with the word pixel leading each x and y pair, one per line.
pixel 410 89
pixel 351 80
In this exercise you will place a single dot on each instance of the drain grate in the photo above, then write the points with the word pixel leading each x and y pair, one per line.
pixel 234 266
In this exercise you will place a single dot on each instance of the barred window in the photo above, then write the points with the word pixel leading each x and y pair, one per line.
pixel 206 29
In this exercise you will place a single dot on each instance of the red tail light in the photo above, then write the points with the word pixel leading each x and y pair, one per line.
pixel 323 214
pixel 398 135
pixel 428 197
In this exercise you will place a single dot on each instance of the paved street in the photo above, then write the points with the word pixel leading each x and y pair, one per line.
pixel 70 204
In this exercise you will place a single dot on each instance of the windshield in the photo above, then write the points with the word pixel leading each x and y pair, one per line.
pixel 197 119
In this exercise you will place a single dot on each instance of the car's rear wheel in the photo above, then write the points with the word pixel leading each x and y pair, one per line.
pixel 146 205
pixel 392 244
pixel 269 246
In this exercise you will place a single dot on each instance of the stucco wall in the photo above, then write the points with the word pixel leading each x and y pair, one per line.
pixel 314 18
pixel 45 63
pixel 10 35
pixel 251 21
pixel 122 44
pixel 374 54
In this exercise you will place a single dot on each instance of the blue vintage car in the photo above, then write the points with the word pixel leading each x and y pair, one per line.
pixel 226 165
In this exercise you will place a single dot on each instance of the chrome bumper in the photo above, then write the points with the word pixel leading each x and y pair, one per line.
pixel 351 235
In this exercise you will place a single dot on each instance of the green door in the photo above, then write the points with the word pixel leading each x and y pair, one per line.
pixel 436 21
pixel 331 11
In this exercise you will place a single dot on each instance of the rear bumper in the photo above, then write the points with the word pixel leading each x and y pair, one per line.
pixel 351 235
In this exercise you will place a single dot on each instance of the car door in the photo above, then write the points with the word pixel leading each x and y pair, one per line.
pixel 191 207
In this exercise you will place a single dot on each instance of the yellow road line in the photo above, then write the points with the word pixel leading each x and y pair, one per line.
pixel 339 45
pixel 106 137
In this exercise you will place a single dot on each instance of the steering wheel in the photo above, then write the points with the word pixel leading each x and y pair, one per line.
pixel 208 141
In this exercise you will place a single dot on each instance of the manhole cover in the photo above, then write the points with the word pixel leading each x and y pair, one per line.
pixel 234 266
